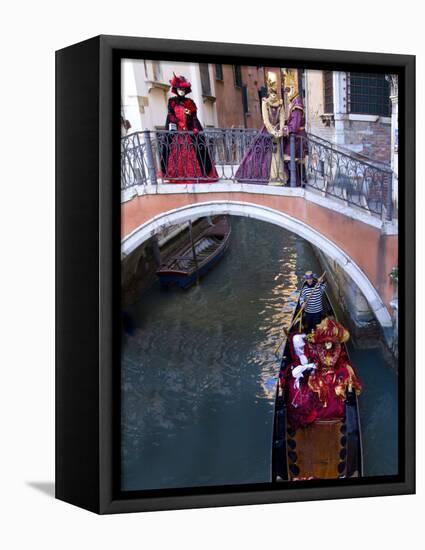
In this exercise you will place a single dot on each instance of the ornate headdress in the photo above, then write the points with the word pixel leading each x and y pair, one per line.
pixel 329 330
pixel 180 82
pixel 327 340
pixel 290 79
pixel 272 88
pixel 271 84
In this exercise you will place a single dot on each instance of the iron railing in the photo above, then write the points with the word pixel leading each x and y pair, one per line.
pixel 251 156
pixel 356 182
pixel 344 149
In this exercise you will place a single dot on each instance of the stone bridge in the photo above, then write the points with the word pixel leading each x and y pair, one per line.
pixel 365 246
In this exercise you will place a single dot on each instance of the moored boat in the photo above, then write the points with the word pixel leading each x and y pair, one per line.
pixel 327 447
pixel 194 259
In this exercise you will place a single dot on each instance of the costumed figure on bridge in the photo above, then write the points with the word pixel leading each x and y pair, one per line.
pixel 184 153
pixel 295 125
pixel 321 375
pixel 263 161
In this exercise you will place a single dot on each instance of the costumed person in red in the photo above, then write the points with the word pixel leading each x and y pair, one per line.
pixel 320 392
pixel 185 157
pixel 300 396
pixel 301 400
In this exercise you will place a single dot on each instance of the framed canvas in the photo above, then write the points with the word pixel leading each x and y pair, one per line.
pixel 235 274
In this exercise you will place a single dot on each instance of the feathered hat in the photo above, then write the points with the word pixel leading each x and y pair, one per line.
pixel 329 330
pixel 180 82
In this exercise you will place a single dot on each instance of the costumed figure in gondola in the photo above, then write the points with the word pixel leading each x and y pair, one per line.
pixel 319 390
pixel 295 125
pixel 184 153
pixel 263 161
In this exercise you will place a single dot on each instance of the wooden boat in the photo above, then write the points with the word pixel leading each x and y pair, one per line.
pixel 325 449
pixel 193 260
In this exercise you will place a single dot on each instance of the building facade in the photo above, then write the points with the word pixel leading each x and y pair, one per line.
pixel 353 110
pixel 145 89
pixel 240 90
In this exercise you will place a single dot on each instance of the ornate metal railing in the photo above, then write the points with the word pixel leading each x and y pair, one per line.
pixel 251 156
pixel 344 149
pixel 150 157
pixel 345 177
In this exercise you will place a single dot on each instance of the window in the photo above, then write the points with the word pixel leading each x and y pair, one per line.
pixel 219 72
pixel 205 79
pixel 328 89
pixel 245 99
pixel 369 94
pixel 238 75
pixel 156 71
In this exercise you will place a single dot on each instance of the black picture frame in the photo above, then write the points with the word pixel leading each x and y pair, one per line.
pixel 88 273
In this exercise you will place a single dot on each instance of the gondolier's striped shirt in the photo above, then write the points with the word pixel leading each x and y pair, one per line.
pixel 314 304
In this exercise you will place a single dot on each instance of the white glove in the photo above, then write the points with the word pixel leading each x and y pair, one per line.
pixel 298 372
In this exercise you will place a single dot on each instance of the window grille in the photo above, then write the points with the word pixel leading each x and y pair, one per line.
pixel 369 94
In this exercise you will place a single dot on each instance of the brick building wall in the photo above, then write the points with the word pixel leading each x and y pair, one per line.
pixel 253 79
pixel 374 137
pixel 228 100
pixel 367 135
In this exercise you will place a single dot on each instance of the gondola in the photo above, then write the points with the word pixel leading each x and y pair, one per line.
pixel 325 449
pixel 193 260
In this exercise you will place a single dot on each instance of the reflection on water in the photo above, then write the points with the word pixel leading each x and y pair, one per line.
pixel 199 371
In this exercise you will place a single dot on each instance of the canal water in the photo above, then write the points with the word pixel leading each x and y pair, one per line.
pixel 199 371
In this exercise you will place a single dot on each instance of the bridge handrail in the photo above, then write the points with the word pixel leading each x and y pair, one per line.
pixel 238 154
pixel 347 153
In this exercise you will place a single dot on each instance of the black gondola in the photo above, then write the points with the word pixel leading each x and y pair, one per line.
pixel 195 259
pixel 325 449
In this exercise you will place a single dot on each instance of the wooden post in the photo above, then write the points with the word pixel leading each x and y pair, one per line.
pixel 156 251
pixel 193 251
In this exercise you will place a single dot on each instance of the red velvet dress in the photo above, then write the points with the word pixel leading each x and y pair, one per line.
pixel 185 157
pixel 322 392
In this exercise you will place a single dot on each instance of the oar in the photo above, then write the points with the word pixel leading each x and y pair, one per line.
pixel 298 316
pixel 286 331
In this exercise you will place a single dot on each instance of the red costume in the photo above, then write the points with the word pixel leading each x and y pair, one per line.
pixel 185 158
pixel 322 391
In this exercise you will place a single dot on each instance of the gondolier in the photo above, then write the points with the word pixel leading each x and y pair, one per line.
pixel 312 295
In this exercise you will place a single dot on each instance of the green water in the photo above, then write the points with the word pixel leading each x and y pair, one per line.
pixel 199 371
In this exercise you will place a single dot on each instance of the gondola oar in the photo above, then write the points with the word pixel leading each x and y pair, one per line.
pixel 298 316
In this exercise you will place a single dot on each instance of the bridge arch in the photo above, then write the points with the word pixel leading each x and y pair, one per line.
pixel 251 210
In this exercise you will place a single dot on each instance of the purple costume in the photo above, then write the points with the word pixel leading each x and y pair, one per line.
pixel 295 125
pixel 256 164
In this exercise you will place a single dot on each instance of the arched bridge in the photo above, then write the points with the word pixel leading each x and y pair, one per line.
pixel 349 225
